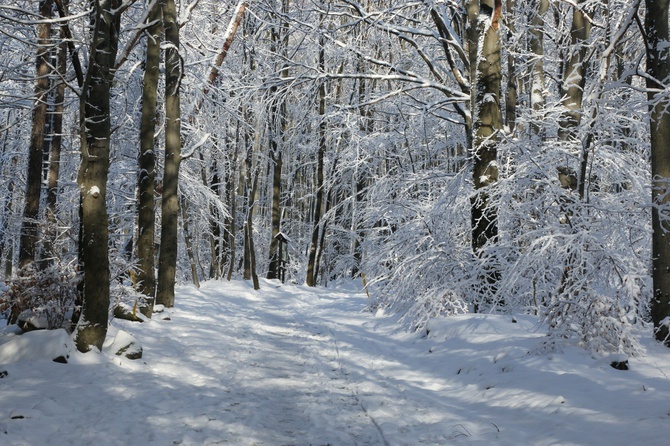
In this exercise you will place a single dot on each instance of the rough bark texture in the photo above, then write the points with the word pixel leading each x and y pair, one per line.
pixel 29 226
pixel 658 68
pixel 146 212
pixel 167 263
pixel 95 141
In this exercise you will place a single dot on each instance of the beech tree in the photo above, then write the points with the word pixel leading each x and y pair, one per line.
pixel 174 72
pixel 658 35
pixel 95 128
pixel 29 226
pixel 146 187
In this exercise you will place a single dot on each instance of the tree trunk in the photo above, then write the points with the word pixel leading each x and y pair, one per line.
pixel 572 89
pixel 232 196
pixel 656 24
pixel 6 241
pixel 95 141
pixel 55 154
pixel 312 273
pixel 277 129
pixel 29 226
pixel 251 187
pixel 538 83
pixel 189 243
pixel 574 80
pixel 167 263
pixel 486 124
pixel 512 93
pixel 215 240
pixel 276 159
pixel 146 209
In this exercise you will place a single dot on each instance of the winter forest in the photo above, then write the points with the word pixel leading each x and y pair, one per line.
pixel 457 156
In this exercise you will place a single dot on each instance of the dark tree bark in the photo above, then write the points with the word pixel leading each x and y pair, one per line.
pixel 146 209
pixel 29 226
pixel 95 141
pixel 251 187
pixel 658 54
pixel 318 208
pixel 276 159
pixel 167 263
pixel 366 126
pixel 215 240
pixel 189 242
pixel 277 129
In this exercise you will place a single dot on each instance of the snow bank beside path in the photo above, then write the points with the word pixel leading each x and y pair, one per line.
pixel 291 365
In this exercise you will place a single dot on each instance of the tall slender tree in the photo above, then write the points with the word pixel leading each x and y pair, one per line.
pixel 312 273
pixel 658 69
pixel 146 212
pixel 55 150
pixel 167 262
pixel 277 124
pixel 487 122
pixel 29 225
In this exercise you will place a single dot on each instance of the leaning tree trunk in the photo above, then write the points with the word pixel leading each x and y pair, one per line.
pixel 146 212
pixel 167 263
pixel 29 227
pixel 656 24
pixel 95 141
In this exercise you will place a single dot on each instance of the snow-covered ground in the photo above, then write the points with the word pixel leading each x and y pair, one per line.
pixel 289 365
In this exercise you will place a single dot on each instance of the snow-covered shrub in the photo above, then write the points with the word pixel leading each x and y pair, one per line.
pixel 418 255
pixel 47 295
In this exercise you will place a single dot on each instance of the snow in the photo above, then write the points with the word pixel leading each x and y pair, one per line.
pixel 292 365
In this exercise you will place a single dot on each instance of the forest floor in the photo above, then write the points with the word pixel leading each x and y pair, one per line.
pixel 290 365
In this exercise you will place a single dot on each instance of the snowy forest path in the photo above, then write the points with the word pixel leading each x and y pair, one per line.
pixel 275 364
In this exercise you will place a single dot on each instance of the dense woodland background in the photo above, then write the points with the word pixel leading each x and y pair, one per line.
pixel 458 155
